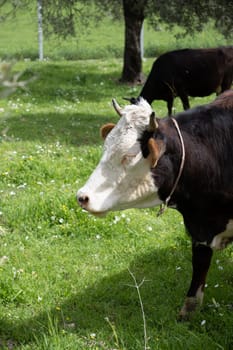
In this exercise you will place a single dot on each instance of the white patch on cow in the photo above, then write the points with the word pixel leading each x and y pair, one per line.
pixel 221 240
pixel 200 294
pixel 122 178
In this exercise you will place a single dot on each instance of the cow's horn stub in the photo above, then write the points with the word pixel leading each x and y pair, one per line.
pixel 132 100
pixel 153 125
pixel 116 106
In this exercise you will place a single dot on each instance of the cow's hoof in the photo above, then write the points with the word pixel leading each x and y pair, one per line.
pixel 189 307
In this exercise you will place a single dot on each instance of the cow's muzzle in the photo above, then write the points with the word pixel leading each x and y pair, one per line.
pixel 83 200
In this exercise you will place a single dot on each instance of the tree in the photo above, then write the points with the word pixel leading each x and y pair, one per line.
pixel 134 14
pixel 60 17
pixel 191 15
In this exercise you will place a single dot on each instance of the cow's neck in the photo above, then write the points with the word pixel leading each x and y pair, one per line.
pixel 181 167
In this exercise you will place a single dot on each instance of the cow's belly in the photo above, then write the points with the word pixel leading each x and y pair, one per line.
pixel 200 92
pixel 221 240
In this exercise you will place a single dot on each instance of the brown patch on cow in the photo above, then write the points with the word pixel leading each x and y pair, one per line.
pixel 156 150
pixel 225 100
pixel 105 129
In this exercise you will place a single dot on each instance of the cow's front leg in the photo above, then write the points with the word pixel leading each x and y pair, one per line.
pixel 170 105
pixel 185 100
pixel 201 262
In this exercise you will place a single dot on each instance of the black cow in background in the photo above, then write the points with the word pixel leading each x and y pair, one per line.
pixel 188 72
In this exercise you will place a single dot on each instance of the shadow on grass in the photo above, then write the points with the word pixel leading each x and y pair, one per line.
pixel 71 128
pixel 116 299
pixel 88 82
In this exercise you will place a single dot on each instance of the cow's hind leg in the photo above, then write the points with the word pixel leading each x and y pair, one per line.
pixel 201 260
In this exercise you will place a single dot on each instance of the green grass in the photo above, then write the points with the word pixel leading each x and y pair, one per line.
pixel 65 281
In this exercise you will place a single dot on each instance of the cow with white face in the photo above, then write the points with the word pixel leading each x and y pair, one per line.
pixel 122 179
pixel 185 162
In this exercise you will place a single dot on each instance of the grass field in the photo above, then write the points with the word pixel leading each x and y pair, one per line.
pixel 65 279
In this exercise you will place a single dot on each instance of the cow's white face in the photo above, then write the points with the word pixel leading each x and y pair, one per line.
pixel 122 178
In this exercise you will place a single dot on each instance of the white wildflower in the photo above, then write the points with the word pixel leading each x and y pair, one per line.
pixel 116 219
pixel 215 303
pixel 22 186
pixel 3 260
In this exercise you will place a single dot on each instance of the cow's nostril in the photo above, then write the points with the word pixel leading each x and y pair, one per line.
pixel 83 200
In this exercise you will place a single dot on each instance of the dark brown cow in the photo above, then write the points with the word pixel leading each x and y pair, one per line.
pixel 185 162
pixel 188 72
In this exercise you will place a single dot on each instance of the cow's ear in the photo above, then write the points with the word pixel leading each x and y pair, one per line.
pixel 156 150
pixel 105 129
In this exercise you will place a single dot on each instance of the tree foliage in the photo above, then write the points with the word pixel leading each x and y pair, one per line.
pixel 60 17
pixel 192 15
pixel 10 7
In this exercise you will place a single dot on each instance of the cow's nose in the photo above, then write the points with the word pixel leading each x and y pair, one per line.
pixel 83 200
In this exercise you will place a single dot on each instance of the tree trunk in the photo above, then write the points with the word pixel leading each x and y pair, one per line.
pixel 134 16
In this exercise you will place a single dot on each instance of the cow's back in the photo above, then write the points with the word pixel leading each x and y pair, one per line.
pixel 208 134
pixel 197 72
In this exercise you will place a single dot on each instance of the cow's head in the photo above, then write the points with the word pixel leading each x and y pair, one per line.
pixel 123 177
